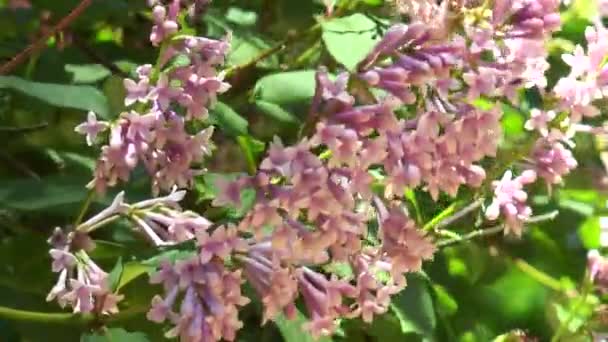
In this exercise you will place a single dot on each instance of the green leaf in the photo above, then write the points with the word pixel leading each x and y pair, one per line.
pixel 374 2
pixel 276 112
pixel 286 88
pixel 512 121
pixel 31 274
pixel 171 255
pixel 87 73
pixel 445 302
pixel 107 250
pixel 131 271
pixel 349 39
pixel 246 43
pixel 246 47
pixel 589 232
pixel 253 149
pixel 414 307
pixel 115 335
pixel 114 278
pixel 50 192
pixel 60 95
pixel 386 327
pixel 292 330
pixel 228 120
pixel 241 17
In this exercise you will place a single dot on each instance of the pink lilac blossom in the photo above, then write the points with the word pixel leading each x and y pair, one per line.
pixel 588 78
pixel 82 284
pixel 153 134
pixel 510 200
pixel 312 209
pixel 91 128
pixel 539 121
pixel 552 160
pixel 597 266
pixel 208 309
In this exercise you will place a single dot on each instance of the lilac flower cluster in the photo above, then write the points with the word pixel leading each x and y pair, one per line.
pixel 209 306
pixel 588 76
pixel 508 49
pixel 510 200
pixel 164 99
pixel 577 95
pixel 308 212
pixel 420 127
pixel 82 284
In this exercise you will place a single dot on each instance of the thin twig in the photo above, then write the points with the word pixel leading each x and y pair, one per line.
pixel 272 50
pixel 538 275
pixel 41 42
pixel 97 58
pixel 472 235
pixel 25 129
pixel 85 206
pixel 493 230
pixel 460 214
pixel 19 165
pixel 550 216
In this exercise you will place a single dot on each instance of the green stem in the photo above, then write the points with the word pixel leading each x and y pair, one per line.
pixel 538 275
pixel 472 235
pixel 411 196
pixel 102 223
pixel 272 50
pixel 44 317
pixel 85 206
pixel 65 318
pixel 439 217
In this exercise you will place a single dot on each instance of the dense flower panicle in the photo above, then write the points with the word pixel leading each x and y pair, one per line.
pixel 510 200
pixel 417 61
pixel 81 285
pixel 315 199
pixel 588 78
pixel 276 285
pixel 153 134
pixel 208 308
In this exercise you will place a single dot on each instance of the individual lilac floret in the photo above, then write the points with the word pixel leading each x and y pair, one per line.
pixel 510 200
pixel 136 91
pixel 597 265
pixel 165 22
pixel 539 121
pixel 91 128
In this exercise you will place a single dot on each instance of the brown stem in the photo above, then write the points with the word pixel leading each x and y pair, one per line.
pixel 41 42
pixel 272 50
